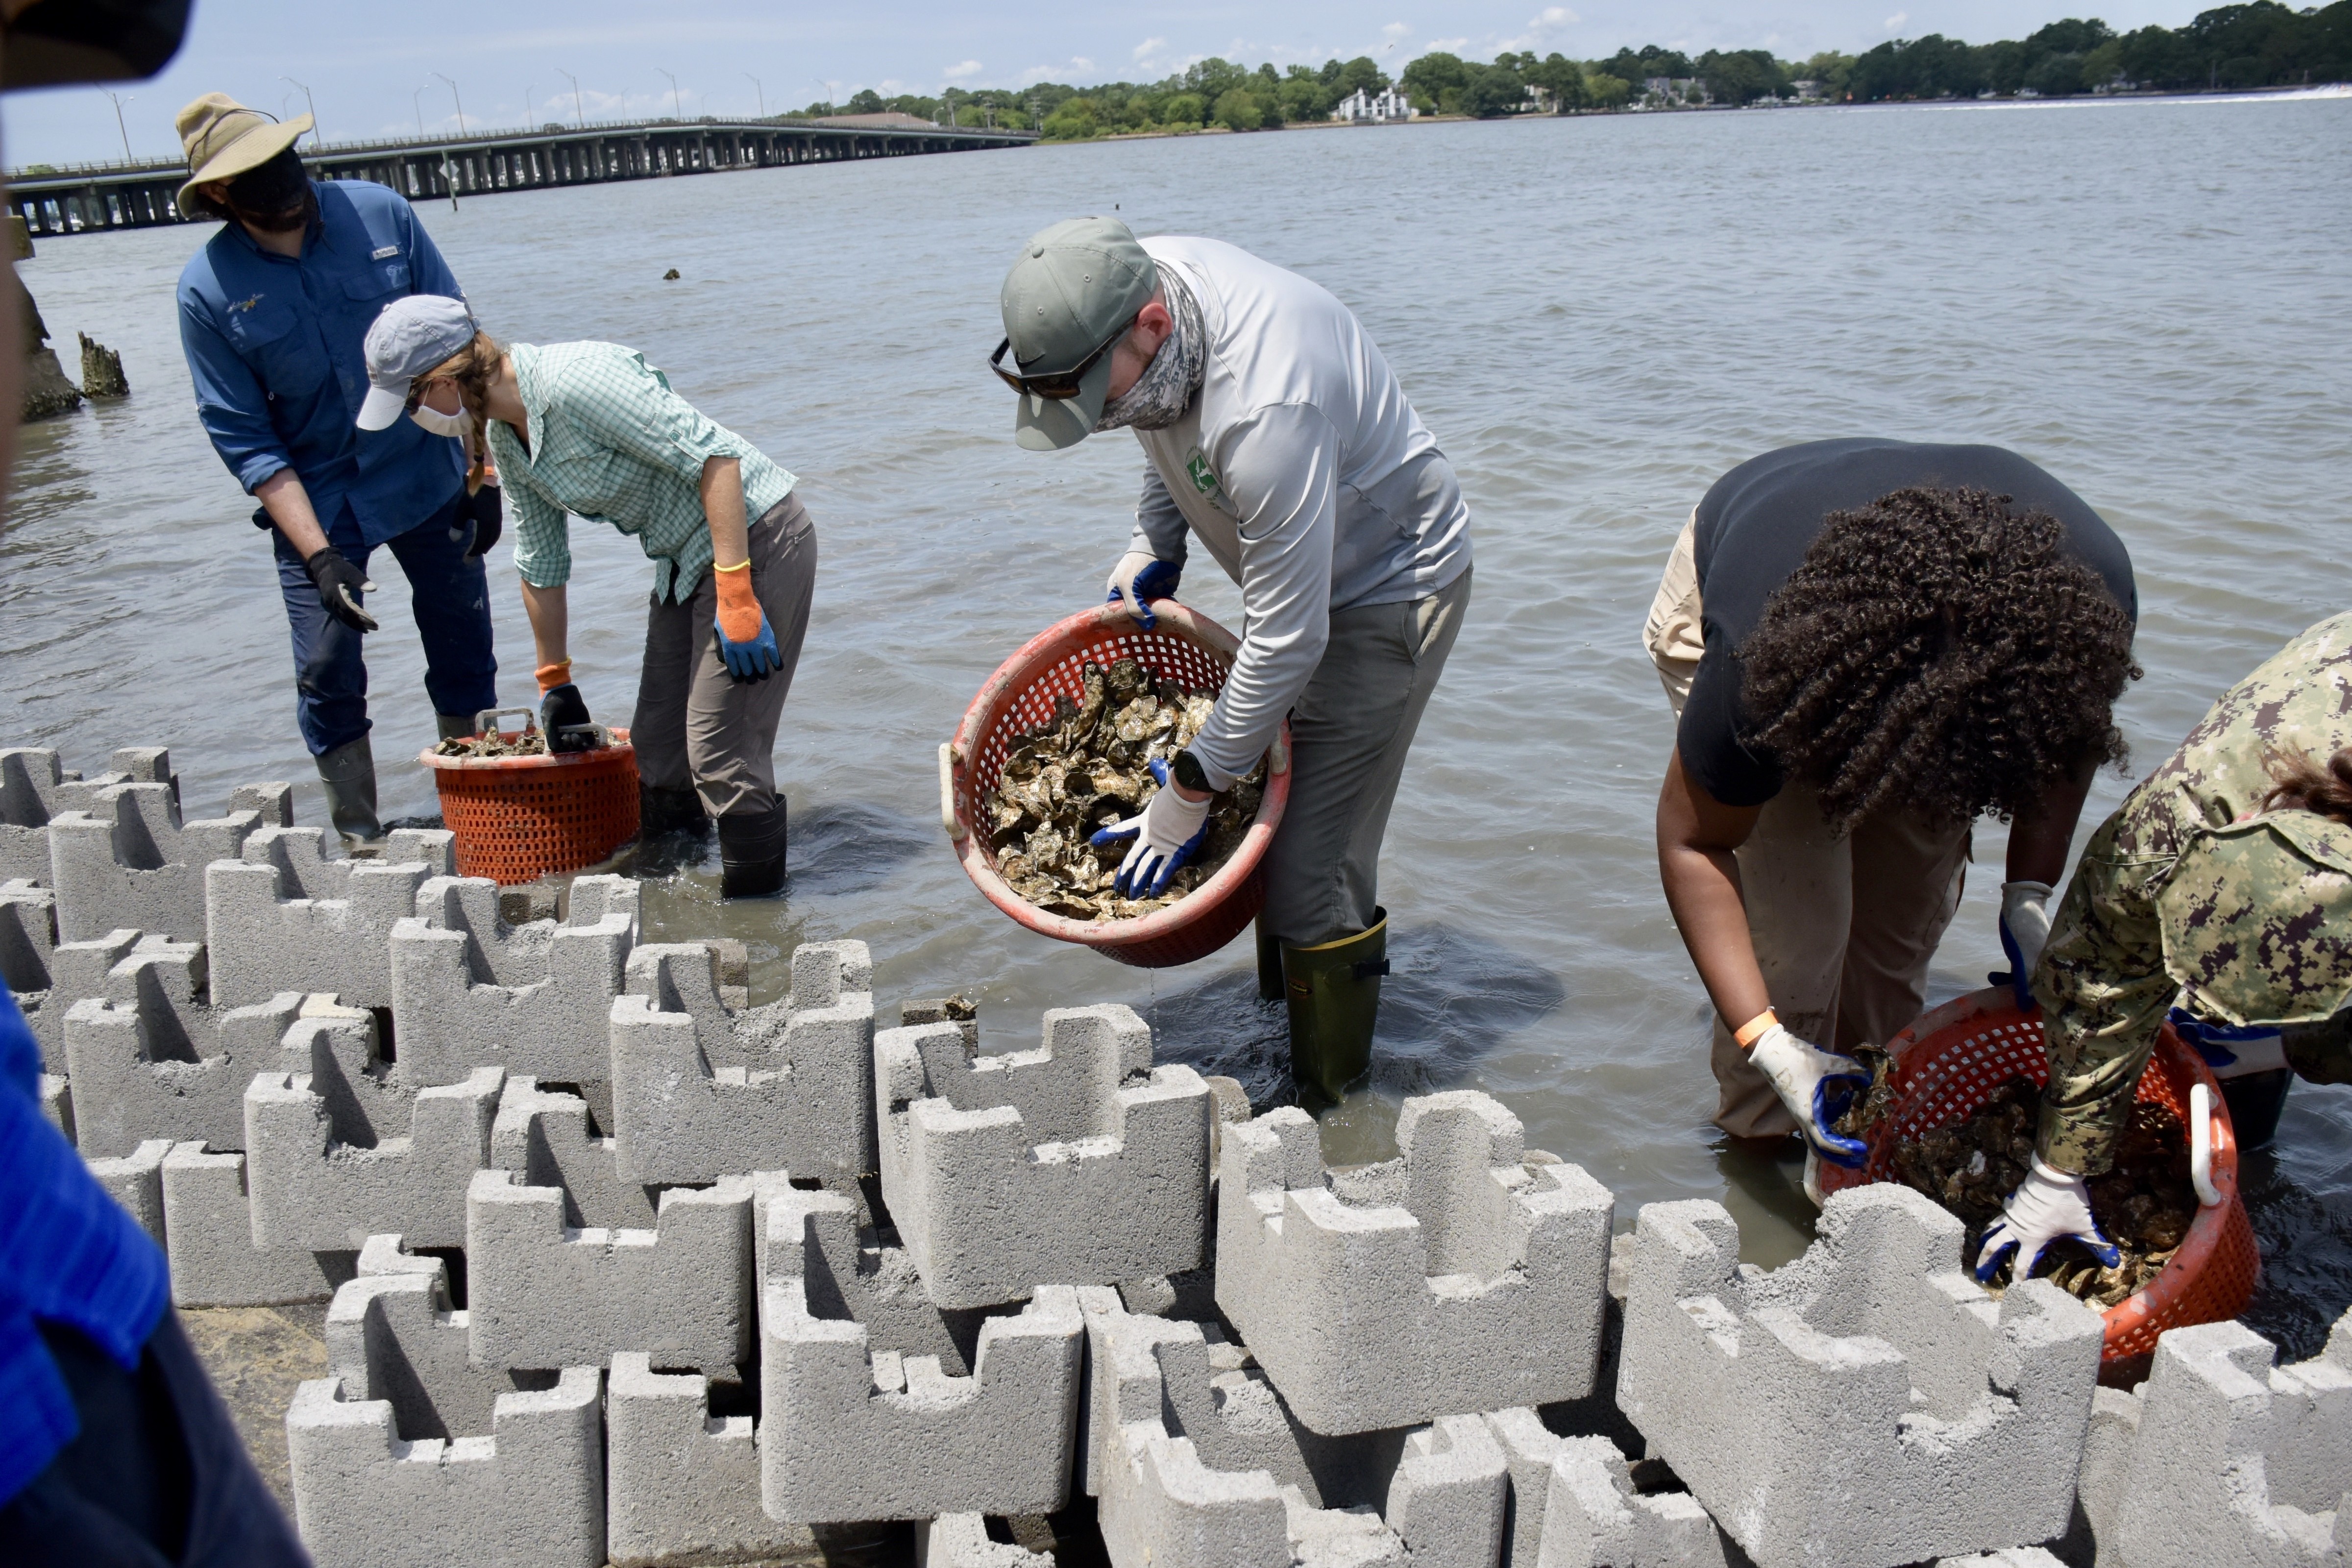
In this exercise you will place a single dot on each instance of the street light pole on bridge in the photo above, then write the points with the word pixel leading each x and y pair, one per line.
pixel 760 90
pixel 317 140
pixel 456 99
pixel 676 108
pixel 578 110
pixel 118 101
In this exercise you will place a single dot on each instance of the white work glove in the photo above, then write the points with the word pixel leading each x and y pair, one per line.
pixel 2024 932
pixel 1166 832
pixel 1816 1086
pixel 2048 1204
pixel 1139 579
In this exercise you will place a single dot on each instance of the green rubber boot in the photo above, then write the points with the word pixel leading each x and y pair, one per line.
pixel 1269 964
pixel 1334 991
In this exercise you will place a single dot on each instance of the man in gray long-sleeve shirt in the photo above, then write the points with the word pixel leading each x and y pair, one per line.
pixel 1275 432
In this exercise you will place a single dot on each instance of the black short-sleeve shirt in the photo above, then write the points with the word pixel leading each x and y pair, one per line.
pixel 1757 522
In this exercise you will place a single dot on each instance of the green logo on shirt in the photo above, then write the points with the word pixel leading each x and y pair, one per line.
pixel 1204 480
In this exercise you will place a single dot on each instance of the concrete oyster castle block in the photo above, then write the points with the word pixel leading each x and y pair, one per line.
pixel 1873 1354
pixel 1468 1276
pixel 151 1059
pixel 284 917
pixel 866 1416
pixel 681 1485
pixel 542 1294
pixel 34 789
pixel 467 990
pixel 2223 1457
pixel 530 1494
pixel 28 935
pixel 392 1335
pixel 701 1088
pixel 1003 1172
pixel 208 1239
pixel 545 1138
pixel 350 1148
pixel 127 861
pixel 1574 1505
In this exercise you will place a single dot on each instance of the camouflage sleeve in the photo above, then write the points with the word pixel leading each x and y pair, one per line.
pixel 2103 989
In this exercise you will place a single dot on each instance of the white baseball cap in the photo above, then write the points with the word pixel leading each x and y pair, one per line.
pixel 410 336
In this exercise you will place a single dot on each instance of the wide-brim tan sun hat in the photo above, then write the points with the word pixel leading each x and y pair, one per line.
pixel 224 139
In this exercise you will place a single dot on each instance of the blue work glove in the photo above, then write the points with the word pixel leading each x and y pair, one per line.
pixel 1140 579
pixel 2049 1204
pixel 2024 932
pixel 1816 1086
pixel 1166 833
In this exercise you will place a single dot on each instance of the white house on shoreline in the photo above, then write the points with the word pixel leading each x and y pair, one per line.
pixel 1364 108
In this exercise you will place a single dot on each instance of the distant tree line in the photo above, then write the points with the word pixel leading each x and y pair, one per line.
pixel 2259 43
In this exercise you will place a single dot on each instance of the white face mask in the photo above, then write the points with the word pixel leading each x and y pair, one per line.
pixel 458 424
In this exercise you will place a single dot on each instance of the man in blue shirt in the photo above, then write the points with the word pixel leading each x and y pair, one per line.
pixel 273 311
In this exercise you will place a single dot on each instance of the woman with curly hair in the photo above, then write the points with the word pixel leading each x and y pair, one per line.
pixel 1870 643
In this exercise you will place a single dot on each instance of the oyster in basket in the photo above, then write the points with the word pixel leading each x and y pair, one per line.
pixel 1087 766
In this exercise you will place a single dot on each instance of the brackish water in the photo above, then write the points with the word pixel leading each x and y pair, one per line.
pixel 1596 317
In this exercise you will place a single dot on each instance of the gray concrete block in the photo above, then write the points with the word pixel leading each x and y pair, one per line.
pixel 542 1294
pixel 393 1336
pixel 700 1089
pixel 469 990
pixel 682 1486
pixel 1446 1503
pixel 824 1237
pixel 78 972
pixel 128 860
pixel 284 917
pixel 1873 1354
pixel 33 789
pixel 851 1432
pixel 530 1495
pixel 57 1104
pixel 208 1237
pixel 151 1059
pixel 961 1541
pixel 273 802
pixel 136 1182
pixel 547 1140
pixel 1573 1505
pixel 2235 1459
pixel 2015 1557
pixel 349 1149
pixel 28 934
pixel 1077 1164
pixel 1469 1276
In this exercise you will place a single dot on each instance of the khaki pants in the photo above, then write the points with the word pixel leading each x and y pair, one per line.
pixel 1844 927
pixel 1349 732
pixel 697 725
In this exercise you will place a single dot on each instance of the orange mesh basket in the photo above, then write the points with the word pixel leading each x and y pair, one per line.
pixel 1949 1061
pixel 516 820
pixel 1187 647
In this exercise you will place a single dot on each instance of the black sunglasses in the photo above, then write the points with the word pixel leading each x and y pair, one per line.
pixel 1057 386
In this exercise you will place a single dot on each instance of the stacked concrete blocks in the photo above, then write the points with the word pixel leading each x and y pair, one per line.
pixel 469 989
pixel 326 1169
pixel 962 1540
pixel 543 1294
pixel 28 934
pixel 34 789
pixel 1574 1505
pixel 853 1426
pixel 127 861
pixel 701 1088
pixel 545 1138
pixel 1471 1277
pixel 2223 1457
pixel 682 1486
pixel 1872 1356
pixel 391 1334
pixel 1000 1172
pixel 136 1182
pixel 209 1238
pixel 284 917
pixel 529 1495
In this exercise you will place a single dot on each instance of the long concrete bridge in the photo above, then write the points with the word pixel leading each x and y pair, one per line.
pixel 141 195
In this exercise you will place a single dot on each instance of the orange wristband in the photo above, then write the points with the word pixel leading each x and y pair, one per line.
pixel 1753 1030
pixel 551 676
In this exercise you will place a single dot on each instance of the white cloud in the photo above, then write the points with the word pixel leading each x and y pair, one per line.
pixel 1555 16
pixel 1449 45
pixel 962 70
pixel 1149 48
pixel 1076 65
pixel 1396 30
pixel 1080 62
pixel 1898 19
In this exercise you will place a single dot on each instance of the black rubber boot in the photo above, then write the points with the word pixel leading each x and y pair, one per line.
pixel 661 810
pixel 751 852
pixel 347 774
pixel 1269 964
pixel 455 726
pixel 1334 991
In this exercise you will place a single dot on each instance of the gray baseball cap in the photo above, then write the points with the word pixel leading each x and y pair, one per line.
pixel 1073 288
pixel 410 336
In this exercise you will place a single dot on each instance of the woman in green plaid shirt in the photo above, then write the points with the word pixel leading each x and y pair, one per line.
pixel 590 429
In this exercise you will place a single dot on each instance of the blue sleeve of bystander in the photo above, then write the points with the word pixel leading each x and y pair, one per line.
pixel 231 402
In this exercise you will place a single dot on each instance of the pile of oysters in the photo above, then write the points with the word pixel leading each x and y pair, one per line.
pixel 1090 766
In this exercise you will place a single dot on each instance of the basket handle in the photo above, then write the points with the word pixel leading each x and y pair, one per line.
pixel 488 719
pixel 947 792
pixel 2201 1144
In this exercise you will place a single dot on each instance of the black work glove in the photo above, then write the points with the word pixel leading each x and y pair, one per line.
pixel 487 508
pixel 340 586
pixel 563 715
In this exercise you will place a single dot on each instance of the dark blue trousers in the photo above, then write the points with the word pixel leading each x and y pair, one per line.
pixel 450 597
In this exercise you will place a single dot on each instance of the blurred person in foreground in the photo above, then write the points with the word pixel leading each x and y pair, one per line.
pixel 1274 431
pixel 272 312
pixel 592 429
pixel 115 1452
pixel 1870 643
pixel 2220 888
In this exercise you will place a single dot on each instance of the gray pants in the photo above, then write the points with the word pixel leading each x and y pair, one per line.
pixel 1349 732
pixel 695 724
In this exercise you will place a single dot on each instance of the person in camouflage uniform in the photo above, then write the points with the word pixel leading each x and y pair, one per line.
pixel 2205 887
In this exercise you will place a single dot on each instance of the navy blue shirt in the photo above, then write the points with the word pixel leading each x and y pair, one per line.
pixel 274 345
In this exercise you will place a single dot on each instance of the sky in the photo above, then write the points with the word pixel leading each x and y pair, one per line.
pixel 383 69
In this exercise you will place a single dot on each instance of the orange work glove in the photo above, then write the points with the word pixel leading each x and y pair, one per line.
pixel 746 642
